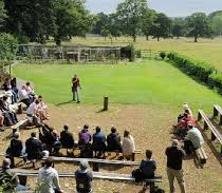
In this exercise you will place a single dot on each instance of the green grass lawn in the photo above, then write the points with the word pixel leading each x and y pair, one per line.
pixel 208 50
pixel 147 82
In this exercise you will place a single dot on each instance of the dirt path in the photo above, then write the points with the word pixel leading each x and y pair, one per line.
pixel 150 127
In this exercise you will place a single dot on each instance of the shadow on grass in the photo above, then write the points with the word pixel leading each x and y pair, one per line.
pixel 101 111
pixel 64 103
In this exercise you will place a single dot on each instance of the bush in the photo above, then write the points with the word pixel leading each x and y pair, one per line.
pixel 197 69
pixel 8 46
pixel 128 52
pixel 162 55
pixel 215 81
pixel 138 53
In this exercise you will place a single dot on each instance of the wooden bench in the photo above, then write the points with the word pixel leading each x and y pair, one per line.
pixel 217 112
pixel 201 156
pixel 20 124
pixel 96 162
pixel 215 134
pixel 96 175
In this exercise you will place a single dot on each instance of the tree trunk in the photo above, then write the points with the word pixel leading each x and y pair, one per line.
pixel 158 38
pixel 195 38
pixel 134 37
pixel 147 37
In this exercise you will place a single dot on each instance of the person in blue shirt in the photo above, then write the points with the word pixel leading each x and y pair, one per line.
pixel 99 143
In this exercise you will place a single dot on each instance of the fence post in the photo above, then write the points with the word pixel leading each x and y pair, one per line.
pixel 106 103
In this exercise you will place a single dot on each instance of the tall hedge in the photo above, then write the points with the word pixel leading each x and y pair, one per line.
pixel 8 46
pixel 196 69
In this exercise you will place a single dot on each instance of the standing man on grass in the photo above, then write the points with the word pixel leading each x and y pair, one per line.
pixel 75 88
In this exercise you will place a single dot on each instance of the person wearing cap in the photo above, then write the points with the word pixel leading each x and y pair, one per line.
pixel 84 178
pixel 15 148
pixel 66 138
pixel 175 157
pixel 8 179
pixel 193 140
pixel 48 178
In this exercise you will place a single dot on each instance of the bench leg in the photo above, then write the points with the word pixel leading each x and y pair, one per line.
pixel 152 187
pixel 205 126
pixel 212 137
pixel 215 112
pixel 95 167
pixel 220 120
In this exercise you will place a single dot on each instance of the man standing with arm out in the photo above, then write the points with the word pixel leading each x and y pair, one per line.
pixel 175 157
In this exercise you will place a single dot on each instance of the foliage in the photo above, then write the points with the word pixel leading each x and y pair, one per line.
pixel 178 27
pixel 8 46
pixel 215 81
pixel 198 25
pixel 39 22
pixel 72 19
pixel 160 26
pixel 197 69
pixel 148 17
pixel 130 15
pixel 2 15
pixel 216 22
pixel 162 55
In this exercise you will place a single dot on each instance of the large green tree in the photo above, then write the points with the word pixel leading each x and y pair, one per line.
pixel 2 15
pixel 148 17
pixel 34 19
pixel 161 26
pixel 216 22
pixel 178 27
pixel 130 15
pixel 198 25
pixel 71 19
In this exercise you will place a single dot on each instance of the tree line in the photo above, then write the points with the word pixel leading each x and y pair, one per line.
pixel 39 21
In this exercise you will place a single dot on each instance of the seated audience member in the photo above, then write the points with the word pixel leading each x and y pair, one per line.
pixel 193 140
pixel 6 85
pixel 29 90
pixel 148 166
pixel 86 151
pixel 14 85
pixel 114 141
pixel 84 178
pixel 84 136
pixel 33 148
pixel 42 109
pixel 57 143
pixel 8 179
pixel 32 113
pixel 48 178
pixel 146 170
pixel 9 116
pixel 128 146
pixel 99 142
pixel 15 148
pixel 24 97
pixel 1 121
pixel 67 138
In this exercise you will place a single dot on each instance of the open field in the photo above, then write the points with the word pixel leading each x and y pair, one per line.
pixel 208 50
pixel 145 98
pixel 146 82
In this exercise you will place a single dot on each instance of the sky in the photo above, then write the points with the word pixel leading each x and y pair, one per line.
pixel 172 8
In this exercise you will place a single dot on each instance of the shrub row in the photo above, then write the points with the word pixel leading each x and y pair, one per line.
pixel 198 70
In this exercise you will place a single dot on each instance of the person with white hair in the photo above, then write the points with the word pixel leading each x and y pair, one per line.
pixel 48 178
pixel 175 157
pixel 84 178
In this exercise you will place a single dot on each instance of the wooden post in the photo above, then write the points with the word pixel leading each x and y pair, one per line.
pixel 213 137
pixel 106 103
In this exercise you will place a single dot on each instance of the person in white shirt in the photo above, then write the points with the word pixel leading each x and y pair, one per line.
pixel 23 96
pixel 29 89
pixel 32 112
pixel 193 140
pixel 42 109
pixel 48 178
pixel 128 146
